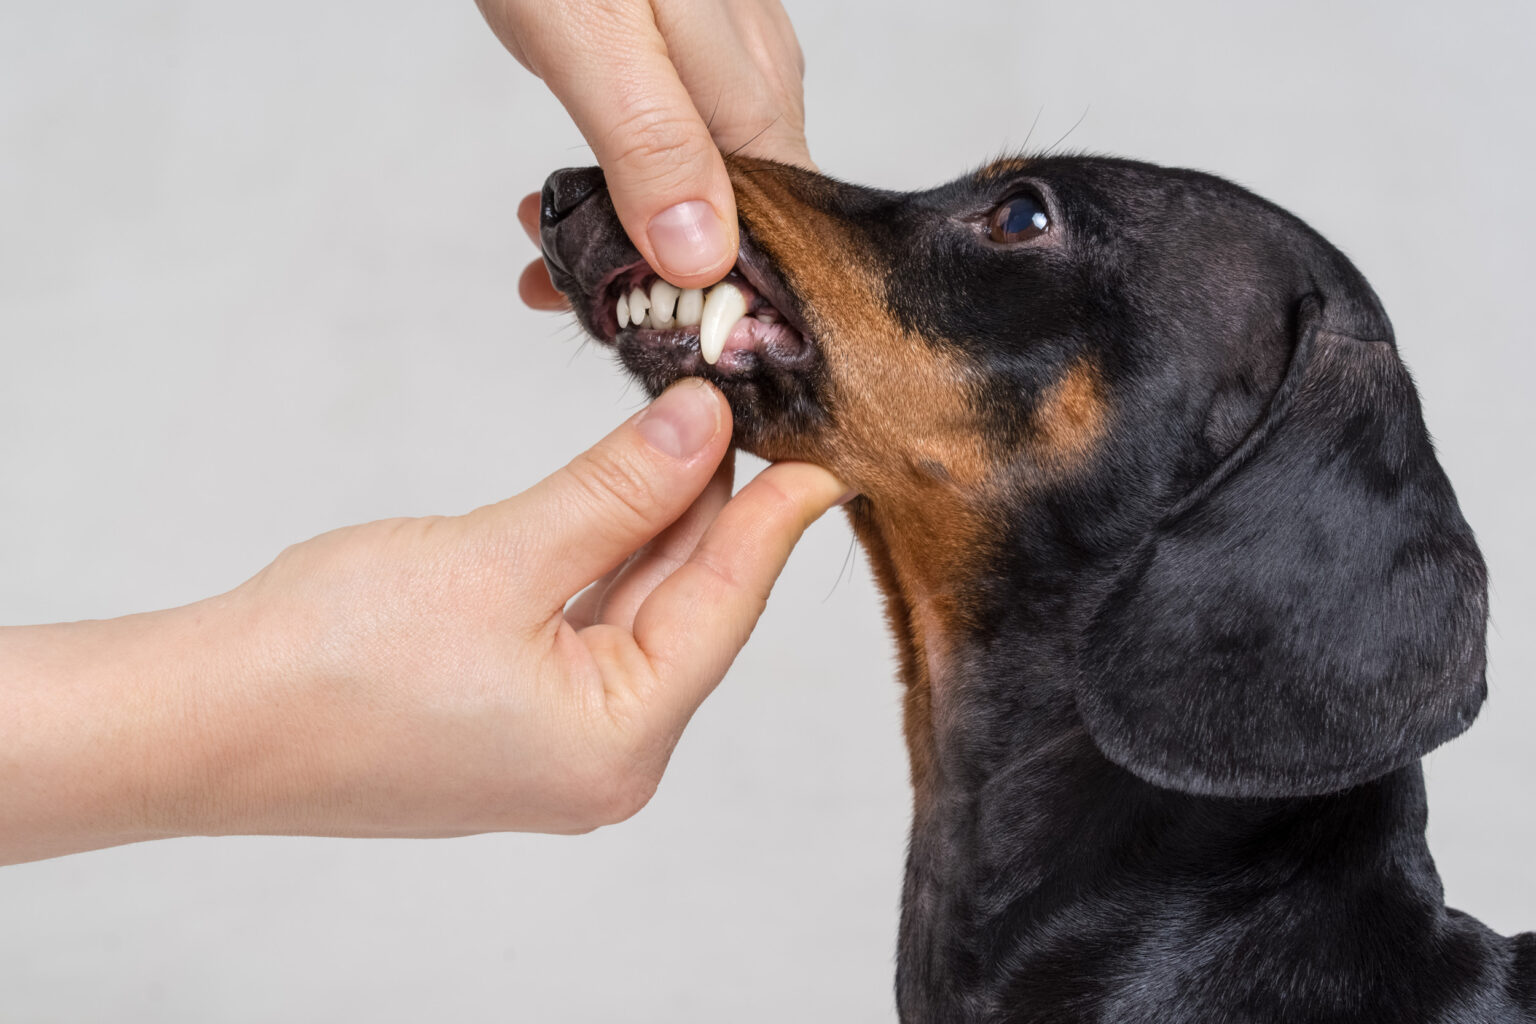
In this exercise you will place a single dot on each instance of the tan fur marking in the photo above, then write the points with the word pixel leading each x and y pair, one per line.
pixel 1071 418
pixel 907 431
pixel 1002 168
pixel 913 668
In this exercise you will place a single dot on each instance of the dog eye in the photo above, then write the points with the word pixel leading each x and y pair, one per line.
pixel 1019 219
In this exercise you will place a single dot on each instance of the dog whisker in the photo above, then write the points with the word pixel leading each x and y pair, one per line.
pixel 1081 118
pixel 754 138
pixel 1032 125
pixel 846 569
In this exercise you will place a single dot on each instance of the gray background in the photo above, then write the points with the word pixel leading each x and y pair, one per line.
pixel 257 269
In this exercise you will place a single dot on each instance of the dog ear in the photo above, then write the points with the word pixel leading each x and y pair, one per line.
pixel 1311 616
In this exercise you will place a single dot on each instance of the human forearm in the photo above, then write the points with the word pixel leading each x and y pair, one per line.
pixel 97 721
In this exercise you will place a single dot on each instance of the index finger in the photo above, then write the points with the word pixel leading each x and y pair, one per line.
pixel 664 173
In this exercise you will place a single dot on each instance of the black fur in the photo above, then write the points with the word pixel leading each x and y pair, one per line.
pixel 1311 616
pixel 1176 770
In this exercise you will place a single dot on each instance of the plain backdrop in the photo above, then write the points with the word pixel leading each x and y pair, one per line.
pixel 257 280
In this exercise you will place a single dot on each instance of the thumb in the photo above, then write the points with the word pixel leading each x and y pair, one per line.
pixel 588 517
pixel 663 170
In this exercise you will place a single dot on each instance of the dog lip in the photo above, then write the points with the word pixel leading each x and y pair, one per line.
pixel 762 275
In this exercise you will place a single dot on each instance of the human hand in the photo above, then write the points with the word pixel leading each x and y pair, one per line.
pixel 654 86
pixel 418 677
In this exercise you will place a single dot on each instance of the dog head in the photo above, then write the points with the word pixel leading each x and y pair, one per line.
pixel 1144 396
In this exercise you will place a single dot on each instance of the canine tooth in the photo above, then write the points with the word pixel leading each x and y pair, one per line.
pixel 623 311
pixel 663 303
pixel 690 307
pixel 723 306
pixel 639 303
pixel 767 318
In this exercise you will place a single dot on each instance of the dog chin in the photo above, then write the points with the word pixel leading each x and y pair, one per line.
pixel 775 409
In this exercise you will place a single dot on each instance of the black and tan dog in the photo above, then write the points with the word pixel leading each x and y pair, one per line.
pixel 1181 592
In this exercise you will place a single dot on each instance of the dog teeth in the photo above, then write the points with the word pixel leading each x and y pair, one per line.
pixel 723 306
pixel 690 307
pixel 665 306
pixel 639 304
pixel 664 298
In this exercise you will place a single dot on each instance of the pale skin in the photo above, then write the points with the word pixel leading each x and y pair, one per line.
pixel 658 90
pixel 526 666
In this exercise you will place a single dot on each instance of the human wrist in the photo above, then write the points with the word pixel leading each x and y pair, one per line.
pixel 263 738
pixel 210 664
pixel 187 721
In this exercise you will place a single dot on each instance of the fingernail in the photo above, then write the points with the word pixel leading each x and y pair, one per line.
pixel 682 420
pixel 847 496
pixel 688 238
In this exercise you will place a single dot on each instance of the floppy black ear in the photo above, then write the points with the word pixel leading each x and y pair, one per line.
pixel 1311 616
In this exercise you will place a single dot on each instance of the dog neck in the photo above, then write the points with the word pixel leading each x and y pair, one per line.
pixel 1041 874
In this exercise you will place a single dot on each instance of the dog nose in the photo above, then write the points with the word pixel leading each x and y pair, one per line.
pixel 567 189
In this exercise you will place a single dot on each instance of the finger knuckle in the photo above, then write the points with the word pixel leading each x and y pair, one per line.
pixel 723 578
pixel 778 504
pixel 653 144
pixel 612 482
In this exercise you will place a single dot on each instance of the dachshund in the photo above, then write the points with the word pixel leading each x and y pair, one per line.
pixel 1180 591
